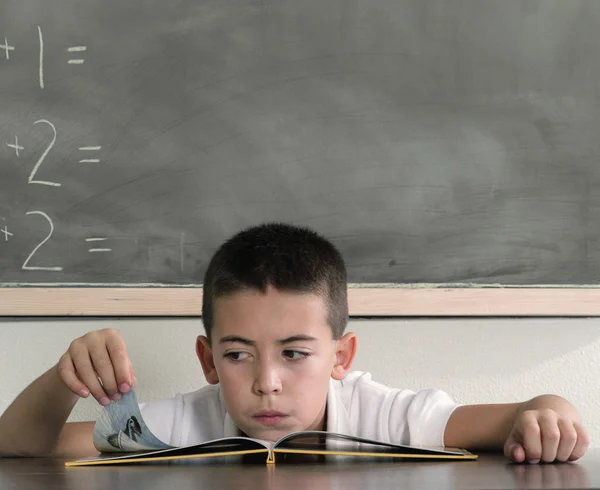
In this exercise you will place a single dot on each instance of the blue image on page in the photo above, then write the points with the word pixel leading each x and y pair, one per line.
pixel 121 428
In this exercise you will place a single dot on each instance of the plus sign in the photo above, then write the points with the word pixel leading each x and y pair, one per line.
pixel 7 48
pixel 6 233
pixel 15 146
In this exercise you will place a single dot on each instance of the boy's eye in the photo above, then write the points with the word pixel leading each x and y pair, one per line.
pixel 236 356
pixel 295 355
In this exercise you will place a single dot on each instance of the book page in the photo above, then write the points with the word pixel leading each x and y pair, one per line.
pixel 329 441
pixel 121 428
pixel 217 447
pixel 120 433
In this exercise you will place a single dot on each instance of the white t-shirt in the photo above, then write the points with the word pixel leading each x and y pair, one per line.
pixel 356 406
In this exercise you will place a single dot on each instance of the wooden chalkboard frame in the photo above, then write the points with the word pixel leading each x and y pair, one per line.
pixel 364 301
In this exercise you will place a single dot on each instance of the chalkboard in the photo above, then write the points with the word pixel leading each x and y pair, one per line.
pixel 441 142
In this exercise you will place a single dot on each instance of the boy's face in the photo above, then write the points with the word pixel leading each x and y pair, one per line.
pixel 274 354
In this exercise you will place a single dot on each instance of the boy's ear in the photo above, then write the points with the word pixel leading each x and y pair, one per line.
pixel 205 355
pixel 344 356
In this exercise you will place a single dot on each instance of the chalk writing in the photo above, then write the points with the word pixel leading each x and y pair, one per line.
pixel 26 265
pixel 7 49
pixel 6 233
pixel 41 63
pixel 90 148
pixel 74 49
pixel 16 146
pixel 43 157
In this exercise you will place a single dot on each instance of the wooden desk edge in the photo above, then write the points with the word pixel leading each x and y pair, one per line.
pixel 363 301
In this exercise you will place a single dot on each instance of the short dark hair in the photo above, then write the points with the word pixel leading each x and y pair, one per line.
pixel 286 257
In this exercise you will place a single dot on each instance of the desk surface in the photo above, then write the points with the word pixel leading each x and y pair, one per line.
pixel 489 472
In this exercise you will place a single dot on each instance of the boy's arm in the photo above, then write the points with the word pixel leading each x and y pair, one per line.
pixel 545 428
pixel 34 424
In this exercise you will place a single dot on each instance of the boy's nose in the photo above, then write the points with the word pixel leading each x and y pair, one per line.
pixel 267 380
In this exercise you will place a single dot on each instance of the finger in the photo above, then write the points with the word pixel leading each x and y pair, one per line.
pixel 550 435
pixel 509 445
pixel 583 442
pixel 103 366
pixel 86 373
pixel 532 442
pixel 518 454
pixel 66 371
pixel 568 440
pixel 513 450
pixel 121 363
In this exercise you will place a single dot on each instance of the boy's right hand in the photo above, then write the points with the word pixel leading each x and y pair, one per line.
pixel 97 363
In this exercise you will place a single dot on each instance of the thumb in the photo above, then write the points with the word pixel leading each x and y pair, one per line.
pixel 517 453
pixel 514 450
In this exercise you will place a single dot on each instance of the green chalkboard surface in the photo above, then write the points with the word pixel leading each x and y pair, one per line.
pixel 431 141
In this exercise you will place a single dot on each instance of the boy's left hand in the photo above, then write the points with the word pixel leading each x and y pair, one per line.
pixel 545 435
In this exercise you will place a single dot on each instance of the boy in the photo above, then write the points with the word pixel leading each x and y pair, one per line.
pixel 277 360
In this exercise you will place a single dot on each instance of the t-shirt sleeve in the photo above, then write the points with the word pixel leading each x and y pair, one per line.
pixel 427 415
pixel 417 418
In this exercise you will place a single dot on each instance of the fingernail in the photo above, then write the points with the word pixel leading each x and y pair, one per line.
pixel 104 401
pixel 534 461
pixel 124 388
pixel 116 396
pixel 84 393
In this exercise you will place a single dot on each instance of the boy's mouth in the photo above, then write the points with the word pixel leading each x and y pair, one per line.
pixel 269 417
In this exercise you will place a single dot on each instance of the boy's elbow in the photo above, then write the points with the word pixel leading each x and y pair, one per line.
pixel 26 453
pixel 10 449
pixel 35 449
pixel 75 441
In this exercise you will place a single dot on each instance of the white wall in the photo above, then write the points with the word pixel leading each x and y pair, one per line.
pixel 475 360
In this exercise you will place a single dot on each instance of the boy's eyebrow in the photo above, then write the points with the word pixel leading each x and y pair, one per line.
pixel 296 338
pixel 235 338
pixel 242 340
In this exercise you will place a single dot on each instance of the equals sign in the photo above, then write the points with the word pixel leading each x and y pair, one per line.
pixel 76 49
pixel 90 148
pixel 93 250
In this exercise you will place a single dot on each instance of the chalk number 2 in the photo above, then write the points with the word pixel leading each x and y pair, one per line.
pixel 43 157
pixel 26 265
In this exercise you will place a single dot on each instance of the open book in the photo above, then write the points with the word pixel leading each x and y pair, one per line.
pixel 121 436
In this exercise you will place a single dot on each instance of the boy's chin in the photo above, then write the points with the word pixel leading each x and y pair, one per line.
pixel 270 434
